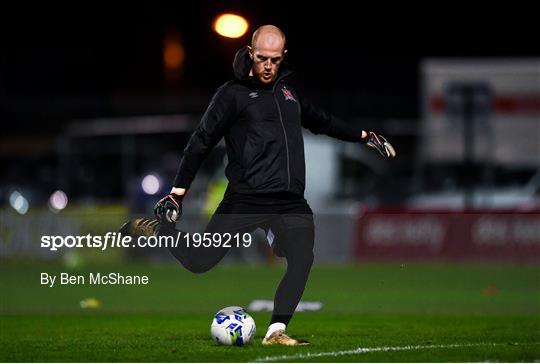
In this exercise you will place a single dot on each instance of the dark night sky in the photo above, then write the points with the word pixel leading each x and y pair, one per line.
pixel 73 63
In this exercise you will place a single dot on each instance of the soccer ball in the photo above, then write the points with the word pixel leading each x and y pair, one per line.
pixel 232 326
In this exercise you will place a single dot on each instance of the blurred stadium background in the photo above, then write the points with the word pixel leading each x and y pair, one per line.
pixel 95 115
pixel 95 118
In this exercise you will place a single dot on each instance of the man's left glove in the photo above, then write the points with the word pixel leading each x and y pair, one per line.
pixel 379 143
pixel 169 208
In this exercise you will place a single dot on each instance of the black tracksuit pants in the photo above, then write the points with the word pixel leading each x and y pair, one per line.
pixel 285 217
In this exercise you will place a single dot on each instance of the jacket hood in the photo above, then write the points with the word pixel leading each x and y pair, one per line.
pixel 242 65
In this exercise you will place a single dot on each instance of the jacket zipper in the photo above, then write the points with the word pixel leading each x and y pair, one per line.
pixel 285 134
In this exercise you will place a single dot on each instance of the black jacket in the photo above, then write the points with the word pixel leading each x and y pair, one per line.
pixel 262 127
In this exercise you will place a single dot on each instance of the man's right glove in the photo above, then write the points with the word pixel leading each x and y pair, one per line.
pixel 169 208
pixel 379 143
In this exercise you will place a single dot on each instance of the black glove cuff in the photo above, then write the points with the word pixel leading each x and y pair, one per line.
pixel 366 138
pixel 177 198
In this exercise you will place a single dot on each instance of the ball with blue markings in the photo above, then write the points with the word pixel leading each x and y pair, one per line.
pixel 232 326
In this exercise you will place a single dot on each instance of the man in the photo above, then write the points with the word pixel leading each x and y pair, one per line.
pixel 261 116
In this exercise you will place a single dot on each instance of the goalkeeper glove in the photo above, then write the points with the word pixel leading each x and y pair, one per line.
pixel 169 208
pixel 379 143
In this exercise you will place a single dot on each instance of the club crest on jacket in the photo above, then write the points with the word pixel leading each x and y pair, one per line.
pixel 288 94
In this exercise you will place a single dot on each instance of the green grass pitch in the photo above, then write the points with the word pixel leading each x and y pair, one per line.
pixel 372 312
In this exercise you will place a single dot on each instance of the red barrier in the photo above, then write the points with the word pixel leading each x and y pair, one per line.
pixel 398 234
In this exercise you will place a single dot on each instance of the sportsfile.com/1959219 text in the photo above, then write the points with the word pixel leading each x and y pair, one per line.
pixel 117 240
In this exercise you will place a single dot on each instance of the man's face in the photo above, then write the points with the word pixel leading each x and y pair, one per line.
pixel 266 61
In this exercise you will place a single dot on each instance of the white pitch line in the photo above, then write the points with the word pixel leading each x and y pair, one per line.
pixel 361 350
